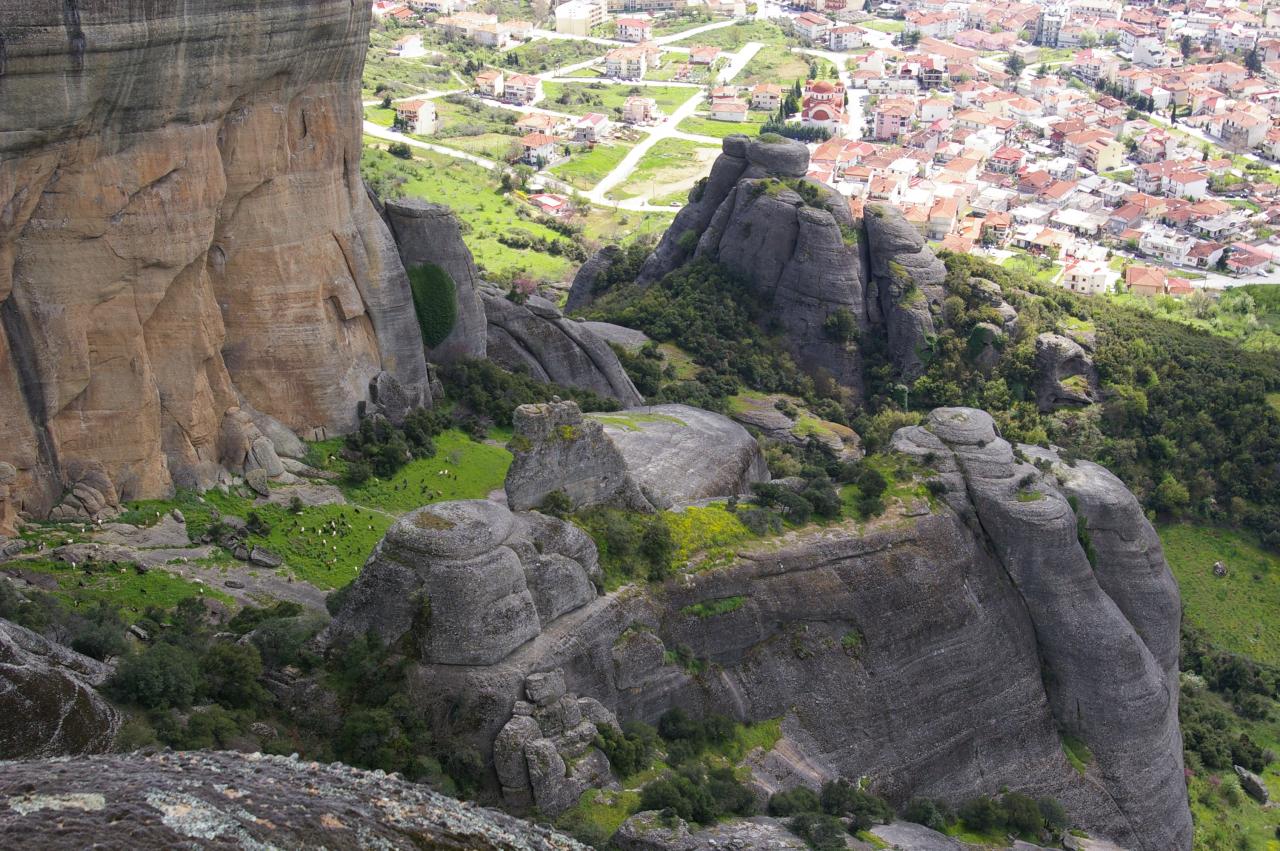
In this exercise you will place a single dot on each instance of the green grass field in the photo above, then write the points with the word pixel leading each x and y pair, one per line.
pixel 669 161
pixel 885 25
pixel 378 115
pixel 584 170
pixel 472 193
pixel 1238 611
pixel 581 98
pixel 461 469
pixel 703 125
pixel 732 38
pixel 777 64
pixel 127 590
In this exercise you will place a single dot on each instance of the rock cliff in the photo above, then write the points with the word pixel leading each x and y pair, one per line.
pixel 185 232
pixel 943 650
pixel 226 800
pixel 829 278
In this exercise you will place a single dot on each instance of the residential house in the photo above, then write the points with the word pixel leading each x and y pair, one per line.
pixel 848 37
pixel 934 24
pixel 1167 244
pixel 729 109
pixel 409 47
pixel 1006 160
pixel 522 88
pixel 1185 183
pixel 592 127
pixel 891 119
pixel 538 149
pixel 812 26
pixel 579 17
pixel 1243 130
pixel 1088 277
pixel 1102 155
pixel 996 227
pixel 766 97
pixel 490 83
pixel 640 110
pixel 556 206
pixel 942 218
pixel 1245 259
pixel 539 122
pixel 1151 281
pixel 631 63
pixel 635 29
pixel 703 55
pixel 417 116
pixel 934 109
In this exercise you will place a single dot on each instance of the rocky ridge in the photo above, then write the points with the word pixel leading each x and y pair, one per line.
pixel 218 799
pixel 941 651
pixel 827 276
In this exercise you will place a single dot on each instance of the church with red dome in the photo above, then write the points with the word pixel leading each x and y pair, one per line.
pixel 823 105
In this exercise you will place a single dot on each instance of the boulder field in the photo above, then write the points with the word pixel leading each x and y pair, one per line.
pixel 945 650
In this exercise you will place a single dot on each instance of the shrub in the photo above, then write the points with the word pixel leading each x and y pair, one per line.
pixel 822 832
pixel 435 300
pixel 160 677
pixel 934 815
pixel 840 798
pixel 230 673
pixel 1021 814
pixel 557 504
pixel 401 150
pixel 798 800
pixel 981 814
pixel 628 752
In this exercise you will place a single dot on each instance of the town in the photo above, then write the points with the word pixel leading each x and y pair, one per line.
pixel 1110 148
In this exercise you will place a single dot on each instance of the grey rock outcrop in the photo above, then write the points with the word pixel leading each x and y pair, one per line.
pixel 221 799
pixel 49 700
pixel 544 756
pixel 783 418
pixel 1253 785
pixel 466 583
pixel 618 335
pixel 90 494
pixel 650 831
pixel 941 650
pixel 429 234
pixel 8 510
pixel 537 337
pixel 827 277
pixel 585 283
pixel 1106 634
pixel 1065 374
pixel 906 836
pixel 644 459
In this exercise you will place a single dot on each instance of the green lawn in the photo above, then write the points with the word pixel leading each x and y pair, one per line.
pixel 474 127
pixel 885 25
pixel 703 125
pixel 128 591
pixel 581 98
pixel 378 115
pixel 494 146
pixel 777 64
pixel 1238 611
pixel 732 38
pixel 461 469
pixel 671 26
pixel 406 76
pixel 584 170
pixel 1044 272
pixel 587 73
pixel 669 161
pixel 472 193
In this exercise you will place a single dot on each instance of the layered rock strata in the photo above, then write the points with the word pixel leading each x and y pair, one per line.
pixel 943 651
pixel 204 244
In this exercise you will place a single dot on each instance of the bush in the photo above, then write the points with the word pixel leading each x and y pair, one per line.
pixel 935 815
pixel 161 677
pixel 981 814
pixel 822 832
pixel 401 150
pixel 627 752
pixel 842 799
pixel 696 792
pixel 230 674
pixel 798 800
pixel 556 504
pixel 435 300
pixel 1021 814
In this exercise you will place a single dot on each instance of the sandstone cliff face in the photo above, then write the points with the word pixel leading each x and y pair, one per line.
pixel 211 799
pixel 942 651
pixel 183 229
pixel 797 242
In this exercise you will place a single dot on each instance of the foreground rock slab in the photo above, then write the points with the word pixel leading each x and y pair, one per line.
pixel 180 800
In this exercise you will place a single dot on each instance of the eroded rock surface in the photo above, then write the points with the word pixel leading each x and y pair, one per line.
pixel 940 651
pixel 219 799
pixel 1065 374
pixel 204 243
pixel 651 831
pixel 49 700
pixel 827 277
pixel 535 336
pixel 645 459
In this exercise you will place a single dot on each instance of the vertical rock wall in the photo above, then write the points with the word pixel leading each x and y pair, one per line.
pixel 183 228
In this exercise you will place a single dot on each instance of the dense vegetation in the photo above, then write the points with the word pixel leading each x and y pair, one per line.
pixel 435 300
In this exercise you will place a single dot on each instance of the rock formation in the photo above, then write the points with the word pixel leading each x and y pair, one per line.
pixel 48 699
pixel 1065 375
pixel 828 277
pixel 651 831
pixel 219 799
pixel 942 651
pixel 644 459
pixel 535 336
pixel 205 243
pixel 429 233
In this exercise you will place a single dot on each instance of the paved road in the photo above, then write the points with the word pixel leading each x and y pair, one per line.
pixel 740 59
pixel 696 31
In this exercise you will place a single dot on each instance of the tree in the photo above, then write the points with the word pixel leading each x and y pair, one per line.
pixel 1185 47
pixel 1042 71
pixel 160 677
pixel 231 672
pixel 1253 61
pixel 1015 64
